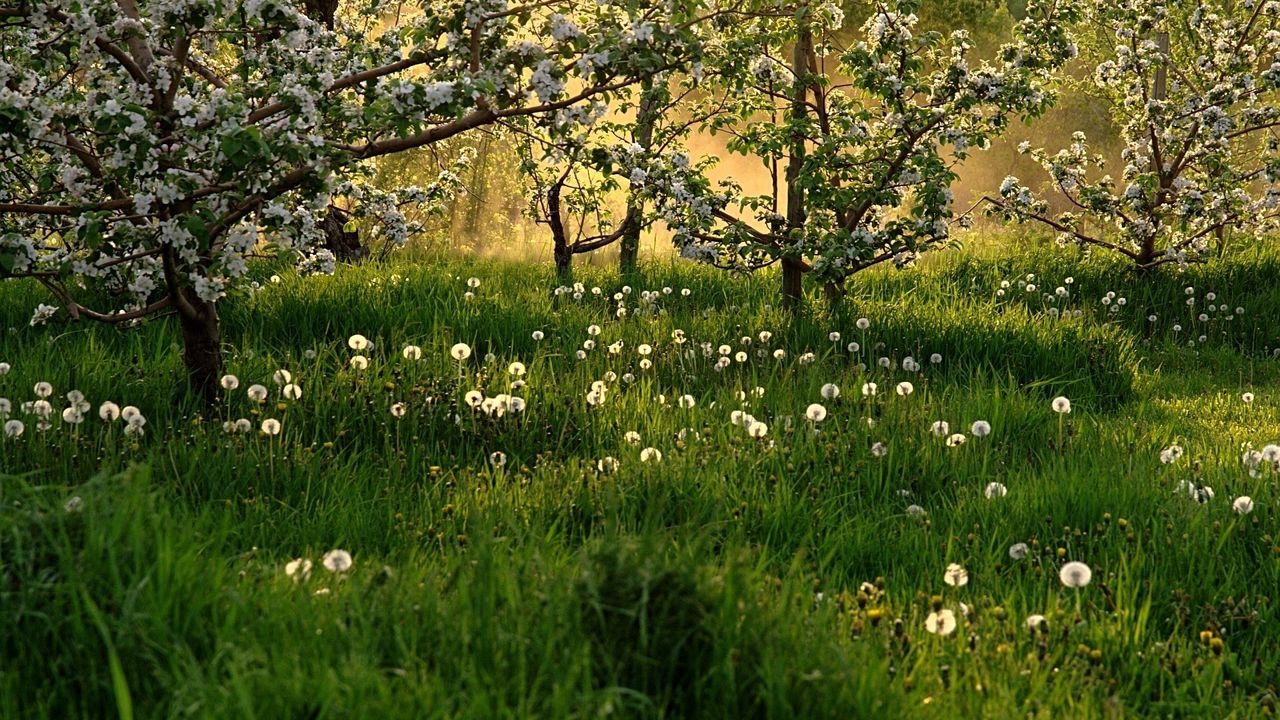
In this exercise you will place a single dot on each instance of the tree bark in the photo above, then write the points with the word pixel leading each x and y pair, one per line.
pixel 1160 92
pixel 792 283
pixel 646 119
pixel 344 245
pixel 201 345
pixel 835 295
pixel 792 264
pixel 322 11
pixel 563 253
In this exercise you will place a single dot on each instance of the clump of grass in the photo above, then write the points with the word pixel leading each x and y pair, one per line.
pixel 646 617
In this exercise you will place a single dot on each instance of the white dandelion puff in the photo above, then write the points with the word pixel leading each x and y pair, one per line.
pixel 956 575
pixel 942 622
pixel 1075 574
pixel 337 561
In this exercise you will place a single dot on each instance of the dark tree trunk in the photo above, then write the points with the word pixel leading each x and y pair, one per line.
pixel 321 11
pixel 1146 254
pixel 563 253
pixel 564 263
pixel 345 245
pixel 792 262
pixel 835 295
pixel 792 283
pixel 646 119
pixel 201 345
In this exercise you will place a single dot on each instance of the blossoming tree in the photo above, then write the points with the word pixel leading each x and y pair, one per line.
pixel 148 147
pixel 575 179
pixel 867 137
pixel 1193 89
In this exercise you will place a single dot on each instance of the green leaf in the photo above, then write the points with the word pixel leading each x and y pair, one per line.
pixel 90 234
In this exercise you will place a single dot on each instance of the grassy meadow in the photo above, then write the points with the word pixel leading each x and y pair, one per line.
pixel 645 551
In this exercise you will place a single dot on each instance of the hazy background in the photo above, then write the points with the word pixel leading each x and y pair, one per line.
pixel 491 217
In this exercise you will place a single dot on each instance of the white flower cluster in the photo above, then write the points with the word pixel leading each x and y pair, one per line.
pixel 1173 196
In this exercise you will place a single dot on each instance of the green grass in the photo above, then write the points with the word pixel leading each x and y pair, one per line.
pixel 781 577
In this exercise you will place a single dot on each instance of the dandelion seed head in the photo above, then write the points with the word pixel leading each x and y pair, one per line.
pixel 298 569
pixel 337 561
pixel 109 411
pixel 1075 574
pixel 941 622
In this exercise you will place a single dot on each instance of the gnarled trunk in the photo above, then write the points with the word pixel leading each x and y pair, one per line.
pixel 559 236
pixel 201 345
pixel 344 244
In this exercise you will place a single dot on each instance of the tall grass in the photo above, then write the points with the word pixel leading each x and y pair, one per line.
pixel 788 576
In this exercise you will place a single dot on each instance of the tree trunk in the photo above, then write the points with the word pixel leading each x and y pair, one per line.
pixel 835 295
pixel 646 118
pixel 1159 91
pixel 201 346
pixel 792 283
pixel 344 245
pixel 792 262
pixel 629 243
pixel 563 253
pixel 321 11
pixel 1146 253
